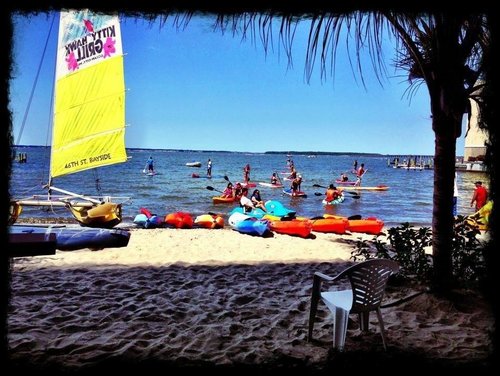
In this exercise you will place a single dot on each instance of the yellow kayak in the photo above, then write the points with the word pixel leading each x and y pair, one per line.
pixel 481 217
pixel 376 188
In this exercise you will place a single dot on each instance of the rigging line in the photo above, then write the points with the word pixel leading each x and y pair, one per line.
pixel 34 83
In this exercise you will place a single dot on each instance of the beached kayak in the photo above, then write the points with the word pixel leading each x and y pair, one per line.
pixel 292 227
pixel 69 238
pixel 329 225
pixel 249 225
pixel 209 220
pixel 179 220
pixel 273 207
pixel 370 225
pixel 144 221
pixel 376 188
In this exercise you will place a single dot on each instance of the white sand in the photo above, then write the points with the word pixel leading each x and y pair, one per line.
pixel 217 297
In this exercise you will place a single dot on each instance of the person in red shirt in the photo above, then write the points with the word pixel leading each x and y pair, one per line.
pixel 480 195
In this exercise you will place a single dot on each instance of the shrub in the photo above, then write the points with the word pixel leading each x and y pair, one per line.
pixel 408 245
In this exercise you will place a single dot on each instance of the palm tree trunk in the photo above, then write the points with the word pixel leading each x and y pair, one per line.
pixel 445 127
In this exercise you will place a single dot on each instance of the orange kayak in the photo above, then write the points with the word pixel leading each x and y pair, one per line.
pixel 179 220
pixel 223 200
pixel 294 227
pixel 209 221
pixel 335 225
pixel 369 225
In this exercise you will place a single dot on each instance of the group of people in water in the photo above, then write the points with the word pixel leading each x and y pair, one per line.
pixel 240 193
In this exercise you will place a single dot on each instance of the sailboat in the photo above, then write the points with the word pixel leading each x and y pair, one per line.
pixel 88 128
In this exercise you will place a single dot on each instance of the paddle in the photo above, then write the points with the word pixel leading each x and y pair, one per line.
pixel 210 188
pixel 227 179
pixel 351 193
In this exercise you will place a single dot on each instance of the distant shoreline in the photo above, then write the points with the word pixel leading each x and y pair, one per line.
pixel 288 152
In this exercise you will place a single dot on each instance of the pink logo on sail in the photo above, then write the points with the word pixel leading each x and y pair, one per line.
pixel 89 26
pixel 72 63
pixel 109 47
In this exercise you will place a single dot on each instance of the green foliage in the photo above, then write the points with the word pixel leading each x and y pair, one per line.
pixel 407 246
pixel 468 260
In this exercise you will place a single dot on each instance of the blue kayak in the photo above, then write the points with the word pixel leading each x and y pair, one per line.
pixel 273 207
pixel 248 225
pixel 145 222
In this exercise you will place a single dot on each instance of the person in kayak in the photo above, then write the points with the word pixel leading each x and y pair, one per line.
pixel 257 200
pixel 237 190
pixel 247 203
pixel 229 191
pixel 343 177
pixel 332 193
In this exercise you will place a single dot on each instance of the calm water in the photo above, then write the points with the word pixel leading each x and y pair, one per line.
pixel 409 198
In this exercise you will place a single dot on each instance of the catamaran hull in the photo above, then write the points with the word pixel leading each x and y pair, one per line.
pixel 73 238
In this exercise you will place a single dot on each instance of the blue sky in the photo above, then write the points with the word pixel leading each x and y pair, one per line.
pixel 205 90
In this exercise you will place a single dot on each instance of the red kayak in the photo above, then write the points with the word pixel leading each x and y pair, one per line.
pixel 179 220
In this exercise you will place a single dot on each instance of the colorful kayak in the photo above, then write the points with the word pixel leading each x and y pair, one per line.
pixel 376 188
pixel 223 200
pixel 273 208
pixel 249 225
pixel 179 220
pixel 70 238
pixel 212 221
pixel 289 192
pixel 293 227
pixel 144 221
pixel 337 201
pixel 330 225
pixel 370 225
pixel 270 185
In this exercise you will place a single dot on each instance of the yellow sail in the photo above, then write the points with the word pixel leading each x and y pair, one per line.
pixel 89 107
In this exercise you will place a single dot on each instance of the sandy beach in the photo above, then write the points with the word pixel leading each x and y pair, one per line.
pixel 219 299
